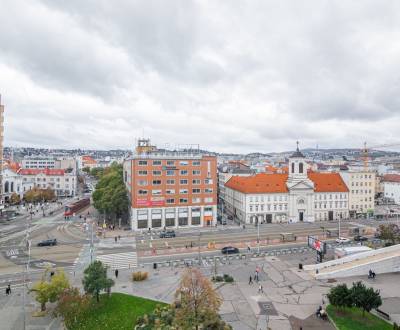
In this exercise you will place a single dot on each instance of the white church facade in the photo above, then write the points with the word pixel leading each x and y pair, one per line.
pixel 299 196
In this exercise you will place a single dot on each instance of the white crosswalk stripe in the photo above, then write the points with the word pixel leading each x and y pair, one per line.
pixel 119 260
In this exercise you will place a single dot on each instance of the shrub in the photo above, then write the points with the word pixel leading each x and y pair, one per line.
pixel 139 276
pixel 217 278
pixel 228 278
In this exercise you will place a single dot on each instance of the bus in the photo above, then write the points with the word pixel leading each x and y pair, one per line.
pixel 72 208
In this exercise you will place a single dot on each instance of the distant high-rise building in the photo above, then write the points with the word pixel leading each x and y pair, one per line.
pixel 1 151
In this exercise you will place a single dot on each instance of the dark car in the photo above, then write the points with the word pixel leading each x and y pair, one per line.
pixel 359 238
pixel 229 250
pixel 167 234
pixel 230 217
pixel 48 242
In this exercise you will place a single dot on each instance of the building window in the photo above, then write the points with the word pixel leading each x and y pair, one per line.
pixel 208 181
pixel 142 172
pixel 170 201
pixel 142 192
pixel 157 173
pixel 292 167
pixel 170 172
pixel 196 191
pixel 208 190
pixel 170 182
pixel 183 172
pixel 301 168
pixel 156 192
pixel 196 172
pixel 183 200
pixel 156 182
pixel 142 162
pixel 170 191
pixel 183 191
pixel 170 162
pixel 183 163
pixel 196 181
pixel 208 200
pixel 196 200
pixel 196 163
pixel 156 162
pixel 184 181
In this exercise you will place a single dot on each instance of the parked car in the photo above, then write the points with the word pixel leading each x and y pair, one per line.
pixel 167 234
pixel 230 217
pixel 229 250
pixel 48 242
pixel 342 240
pixel 359 238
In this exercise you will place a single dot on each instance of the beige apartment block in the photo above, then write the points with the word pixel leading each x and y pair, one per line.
pixel 361 186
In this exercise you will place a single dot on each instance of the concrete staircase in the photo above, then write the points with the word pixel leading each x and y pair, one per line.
pixel 385 260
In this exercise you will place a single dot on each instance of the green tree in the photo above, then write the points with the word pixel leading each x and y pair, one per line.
pixel 86 170
pixel 340 296
pixel 72 307
pixel 365 298
pixel 50 289
pixel 95 279
pixel 110 196
pixel 15 199
pixel 389 232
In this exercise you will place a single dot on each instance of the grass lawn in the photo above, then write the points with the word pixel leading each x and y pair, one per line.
pixel 353 319
pixel 117 312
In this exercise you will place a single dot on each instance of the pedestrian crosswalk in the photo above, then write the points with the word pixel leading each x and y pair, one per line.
pixel 119 260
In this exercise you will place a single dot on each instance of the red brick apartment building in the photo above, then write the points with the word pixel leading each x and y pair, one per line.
pixel 171 190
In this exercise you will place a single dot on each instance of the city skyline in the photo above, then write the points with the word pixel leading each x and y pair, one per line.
pixel 238 79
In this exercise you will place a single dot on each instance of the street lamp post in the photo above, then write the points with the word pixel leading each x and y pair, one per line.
pixel 198 244
pixel 258 235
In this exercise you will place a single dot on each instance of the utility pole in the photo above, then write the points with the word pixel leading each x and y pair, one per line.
pixel 339 227
pixel 91 242
pixel 198 243
pixel 258 235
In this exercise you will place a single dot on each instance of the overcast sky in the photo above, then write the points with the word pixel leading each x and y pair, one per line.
pixel 232 76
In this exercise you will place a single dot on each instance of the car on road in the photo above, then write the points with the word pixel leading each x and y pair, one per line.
pixel 48 242
pixel 359 238
pixel 342 240
pixel 167 234
pixel 229 250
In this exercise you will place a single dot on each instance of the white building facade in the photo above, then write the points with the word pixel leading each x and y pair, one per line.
pixel 391 187
pixel 14 183
pixel 63 183
pixel 299 196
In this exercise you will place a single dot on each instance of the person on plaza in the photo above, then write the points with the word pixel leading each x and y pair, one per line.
pixel 250 280
pixel 248 248
pixel 115 238
pixel 116 273
pixel 8 290
pixel 260 289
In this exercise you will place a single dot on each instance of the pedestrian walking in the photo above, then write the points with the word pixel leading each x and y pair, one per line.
pixel 115 238
pixel 248 248
pixel 116 273
pixel 8 290
pixel 250 280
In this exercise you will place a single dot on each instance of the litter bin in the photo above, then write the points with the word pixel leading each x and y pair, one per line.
pixel 154 265
pixel 300 266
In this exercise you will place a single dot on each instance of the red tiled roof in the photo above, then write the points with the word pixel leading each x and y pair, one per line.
pixel 327 182
pixel 391 178
pixel 47 171
pixel 88 160
pixel 264 183
pixel 13 166
pixel 259 183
